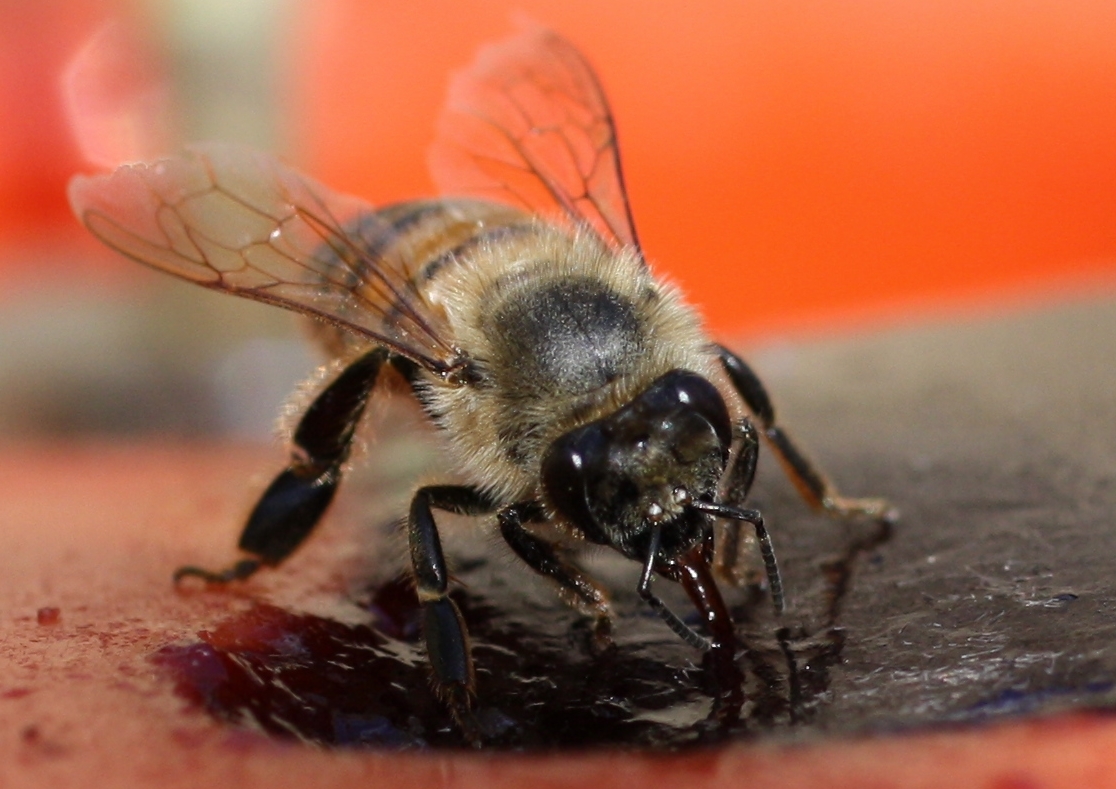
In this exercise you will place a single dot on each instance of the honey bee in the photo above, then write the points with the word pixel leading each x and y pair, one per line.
pixel 571 385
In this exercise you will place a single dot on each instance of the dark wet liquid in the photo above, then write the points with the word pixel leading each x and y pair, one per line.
pixel 540 681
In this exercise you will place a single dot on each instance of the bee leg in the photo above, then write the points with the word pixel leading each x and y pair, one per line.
pixel 447 641
pixel 818 491
pixel 295 500
pixel 726 562
pixel 579 591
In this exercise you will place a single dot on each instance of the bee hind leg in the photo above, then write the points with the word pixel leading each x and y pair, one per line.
pixel 296 499
pixel 580 591
pixel 818 491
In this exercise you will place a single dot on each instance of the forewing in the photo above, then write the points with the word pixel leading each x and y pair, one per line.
pixel 235 220
pixel 527 124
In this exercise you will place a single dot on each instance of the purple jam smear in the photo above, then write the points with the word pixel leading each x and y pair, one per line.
pixel 540 683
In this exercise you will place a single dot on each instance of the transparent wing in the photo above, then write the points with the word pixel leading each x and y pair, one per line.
pixel 235 220
pixel 527 124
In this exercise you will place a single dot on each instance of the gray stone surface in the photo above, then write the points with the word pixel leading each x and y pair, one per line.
pixel 996 439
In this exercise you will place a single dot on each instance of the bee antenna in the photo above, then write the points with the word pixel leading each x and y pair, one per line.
pixel 680 628
pixel 767 550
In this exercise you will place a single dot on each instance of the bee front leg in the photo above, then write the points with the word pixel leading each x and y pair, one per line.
pixel 447 641
pixel 818 491
pixel 295 500
pixel 727 553
pixel 584 595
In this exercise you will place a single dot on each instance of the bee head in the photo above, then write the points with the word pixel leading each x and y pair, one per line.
pixel 618 477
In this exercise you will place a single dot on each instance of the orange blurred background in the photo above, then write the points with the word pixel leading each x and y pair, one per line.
pixel 797 167
pixel 789 163
pixel 786 162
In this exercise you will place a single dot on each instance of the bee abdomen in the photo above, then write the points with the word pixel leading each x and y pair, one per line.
pixel 426 236
pixel 415 242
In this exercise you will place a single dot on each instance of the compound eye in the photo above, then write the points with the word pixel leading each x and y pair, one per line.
pixel 570 462
pixel 692 437
pixel 699 396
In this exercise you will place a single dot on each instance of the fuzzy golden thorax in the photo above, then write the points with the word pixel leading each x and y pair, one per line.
pixel 561 330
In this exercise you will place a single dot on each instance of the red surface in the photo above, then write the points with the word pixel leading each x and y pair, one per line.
pixel 93 532
pixel 790 164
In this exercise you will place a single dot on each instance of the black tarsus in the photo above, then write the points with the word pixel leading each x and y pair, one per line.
pixel 296 499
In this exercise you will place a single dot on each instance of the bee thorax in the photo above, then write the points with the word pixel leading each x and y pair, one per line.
pixel 563 331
